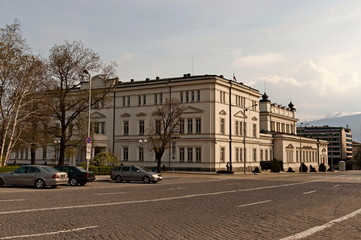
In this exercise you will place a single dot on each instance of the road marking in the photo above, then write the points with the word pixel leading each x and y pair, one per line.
pixel 336 185
pixel 154 200
pixel 310 192
pixel 230 184
pixel 255 203
pixel 12 200
pixel 48 233
pixel 101 194
pixel 316 229
pixel 179 188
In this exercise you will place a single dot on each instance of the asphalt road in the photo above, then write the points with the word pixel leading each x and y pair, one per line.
pixel 189 206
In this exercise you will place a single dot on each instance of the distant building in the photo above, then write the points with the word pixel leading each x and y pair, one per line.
pixel 356 155
pixel 339 139
pixel 224 123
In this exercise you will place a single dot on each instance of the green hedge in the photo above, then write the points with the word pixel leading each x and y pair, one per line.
pixel 101 170
pixel 8 168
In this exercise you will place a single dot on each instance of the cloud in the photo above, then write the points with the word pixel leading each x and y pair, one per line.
pixel 260 60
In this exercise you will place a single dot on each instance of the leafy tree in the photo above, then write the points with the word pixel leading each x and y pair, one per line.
pixel 275 166
pixel 70 65
pixel 21 75
pixel 105 159
pixel 164 127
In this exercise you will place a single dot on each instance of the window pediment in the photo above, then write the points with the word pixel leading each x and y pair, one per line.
pixel 190 109
pixel 141 114
pixel 222 113
pixel 125 115
pixel 97 115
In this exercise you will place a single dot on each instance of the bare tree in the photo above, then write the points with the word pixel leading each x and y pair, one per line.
pixel 21 74
pixel 164 126
pixel 67 64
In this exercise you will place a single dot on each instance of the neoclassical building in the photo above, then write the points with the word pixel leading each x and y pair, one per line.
pixel 224 123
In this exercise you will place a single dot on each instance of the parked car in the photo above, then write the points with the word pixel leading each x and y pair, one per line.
pixel 77 175
pixel 134 173
pixel 39 176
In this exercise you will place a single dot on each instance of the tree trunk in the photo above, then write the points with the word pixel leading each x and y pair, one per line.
pixel 158 157
pixel 61 152
pixel 32 153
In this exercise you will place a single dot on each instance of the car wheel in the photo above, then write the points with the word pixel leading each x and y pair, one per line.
pixel 73 182
pixel 118 179
pixel 146 179
pixel 1 182
pixel 39 183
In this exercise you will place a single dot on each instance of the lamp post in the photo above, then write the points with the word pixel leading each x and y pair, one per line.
pixel 143 142
pixel 244 136
pixel 88 142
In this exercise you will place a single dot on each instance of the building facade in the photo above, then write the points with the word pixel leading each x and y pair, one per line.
pixel 224 123
pixel 339 139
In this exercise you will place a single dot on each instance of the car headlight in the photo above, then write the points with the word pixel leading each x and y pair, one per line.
pixel 155 176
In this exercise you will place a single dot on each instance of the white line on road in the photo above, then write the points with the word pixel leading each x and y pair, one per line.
pixel 310 192
pixel 178 188
pixel 101 194
pixel 154 200
pixel 316 229
pixel 255 203
pixel 48 233
pixel 12 200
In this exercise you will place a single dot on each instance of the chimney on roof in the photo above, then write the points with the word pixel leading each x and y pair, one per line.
pixel 132 80
pixel 157 78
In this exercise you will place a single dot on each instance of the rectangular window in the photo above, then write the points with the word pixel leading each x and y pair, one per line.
pixel 144 99
pixel 187 96
pixel 155 98
pixel 240 155
pixel 98 127
pixel 139 100
pixel 254 155
pixel 140 154
pixel 266 155
pixel 158 126
pixel 222 154
pixel 198 125
pixel 190 154
pixel 261 155
pixel 181 126
pixel 126 128
pixel 193 97
pixel 44 152
pixel 141 127
pixel 123 101
pixel 198 95
pixel 222 127
pixel 125 153
pixel 128 103
pixel 237 154
pixel 198 154
pixel 160 98
pixel 254 130
pixel 181 154
pixel 236 128
pixel 181 96
pixel 190 125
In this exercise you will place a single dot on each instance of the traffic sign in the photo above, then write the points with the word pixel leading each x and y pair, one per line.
pixel 88 140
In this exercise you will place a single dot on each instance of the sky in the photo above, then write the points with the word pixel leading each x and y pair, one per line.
pixel 304 51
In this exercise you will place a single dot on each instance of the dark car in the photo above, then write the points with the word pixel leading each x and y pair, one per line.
pixel 134 173
pixel 77 175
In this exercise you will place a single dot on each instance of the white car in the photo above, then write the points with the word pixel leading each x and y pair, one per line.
pixel 38 176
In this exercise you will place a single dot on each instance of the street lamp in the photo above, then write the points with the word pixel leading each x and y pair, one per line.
pixel 142 142
pixel 88 143
pixel 244 136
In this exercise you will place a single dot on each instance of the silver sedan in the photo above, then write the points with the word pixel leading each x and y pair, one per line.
pixel 38 176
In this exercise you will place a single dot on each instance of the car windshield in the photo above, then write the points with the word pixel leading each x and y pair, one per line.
pixel 49 169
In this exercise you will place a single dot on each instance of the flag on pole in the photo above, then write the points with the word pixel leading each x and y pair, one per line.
pixel 234 77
